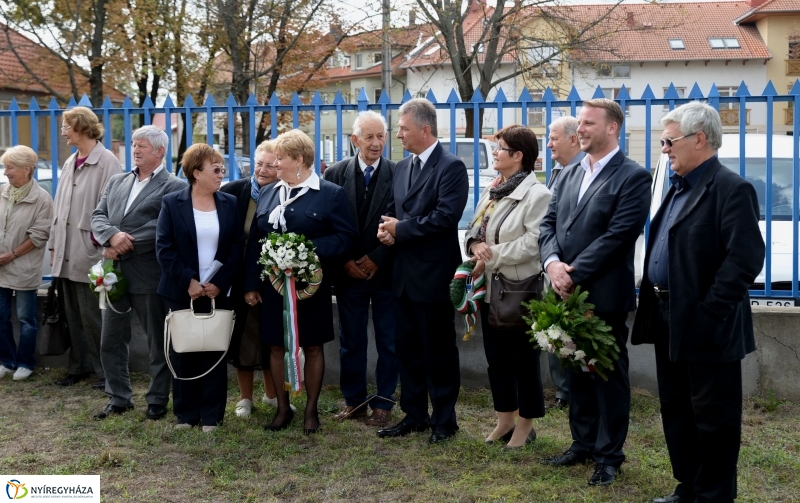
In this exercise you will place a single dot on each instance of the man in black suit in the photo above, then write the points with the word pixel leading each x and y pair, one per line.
pixel 588 237
pixel 430 192
pixel 705 250
pixel 367 275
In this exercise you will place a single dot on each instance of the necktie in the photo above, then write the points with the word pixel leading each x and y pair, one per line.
pixel 416 168
pixel 368 175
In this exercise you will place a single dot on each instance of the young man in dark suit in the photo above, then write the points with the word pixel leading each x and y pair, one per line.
pixel 421 225
pixel 704 252
pixel 588 236
pixel 366 275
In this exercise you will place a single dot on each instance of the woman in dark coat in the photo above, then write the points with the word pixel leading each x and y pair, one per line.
pixel 196 227
pixel 304 204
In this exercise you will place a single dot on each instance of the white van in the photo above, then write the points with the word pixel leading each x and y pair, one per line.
pixel 755 173
pixel 465 149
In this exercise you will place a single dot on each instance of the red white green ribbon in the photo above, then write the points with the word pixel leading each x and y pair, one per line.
pixel 468 305
pixel 292 366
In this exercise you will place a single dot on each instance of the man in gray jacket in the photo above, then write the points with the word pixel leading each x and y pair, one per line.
pixel 124 222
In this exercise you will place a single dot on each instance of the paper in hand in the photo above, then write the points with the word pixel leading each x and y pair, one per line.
pixel 215 266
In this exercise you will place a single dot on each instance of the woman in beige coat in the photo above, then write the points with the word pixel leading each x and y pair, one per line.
pixel 73 248
pixel 518 201
pixel 26 212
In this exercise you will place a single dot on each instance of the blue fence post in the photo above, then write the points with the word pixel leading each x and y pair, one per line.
pixel 55 128
pixel 233 164
pixel 574 98
pixel 622 97
pixel 317 102
pixel 33 107
pixel 208 105
pixel 500 98
pixel 295 103
pixel 126 118
pixel 338 101
pixel 106 110
pixel 477 101
pixel 274 103
pixel 384 101
pixel 146 110
pixel 770 93
pixel 452 101
pixel 188 105
pixel 251 104
pixel 795 92
pixel 14 109
pixel 524 99
pixel 168 106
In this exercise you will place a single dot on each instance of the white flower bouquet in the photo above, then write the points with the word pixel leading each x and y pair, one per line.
pixel 569 329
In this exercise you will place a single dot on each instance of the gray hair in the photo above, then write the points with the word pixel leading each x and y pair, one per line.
pixel 20 156
pixel 567 123
pixel 422 112
pixel 694 117
pixel 154 135
pixel 267 146
pixel 366 116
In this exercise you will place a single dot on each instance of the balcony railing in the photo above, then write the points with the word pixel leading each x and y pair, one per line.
pixel 793 67
pixel 730 116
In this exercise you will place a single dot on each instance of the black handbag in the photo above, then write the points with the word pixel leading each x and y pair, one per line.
pixel 506 302
pixel 54 340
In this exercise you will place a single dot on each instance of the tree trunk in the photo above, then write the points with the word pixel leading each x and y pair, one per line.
pixel 96 57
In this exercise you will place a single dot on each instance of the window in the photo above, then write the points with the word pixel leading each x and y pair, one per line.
pixel 681 93
pixel 377 93
pixel 728 91
pixel 612 92
pixel 676 44
pixel 359 61
pixel 622 71
pixel 536 115
pixel 5 127
pixel 794 46
pixel 377 58
pixel 603 70
pixel 724 43
pixel 627 145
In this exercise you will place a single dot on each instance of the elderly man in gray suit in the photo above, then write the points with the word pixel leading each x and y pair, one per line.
pixel 124 222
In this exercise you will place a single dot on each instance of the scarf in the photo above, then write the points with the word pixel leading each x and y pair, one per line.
pixel 255 189
pixel 17 194
pixel 276 216
pixel 498 189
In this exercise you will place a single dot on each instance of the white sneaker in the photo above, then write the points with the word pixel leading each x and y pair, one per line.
pixel 5 371
pixel 244 407
pixel 209 429
pixel 183 426
pixel 274 402
pixel 22 373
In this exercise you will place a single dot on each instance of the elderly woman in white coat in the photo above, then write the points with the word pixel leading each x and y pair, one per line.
pixel 518 201
pixel 26 212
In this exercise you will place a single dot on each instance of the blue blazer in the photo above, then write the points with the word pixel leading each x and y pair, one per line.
pixel 176 244
pixel 426 247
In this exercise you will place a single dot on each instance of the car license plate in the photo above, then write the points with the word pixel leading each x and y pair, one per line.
pixel 772 302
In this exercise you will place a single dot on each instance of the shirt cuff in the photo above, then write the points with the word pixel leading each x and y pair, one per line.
pixel 552 258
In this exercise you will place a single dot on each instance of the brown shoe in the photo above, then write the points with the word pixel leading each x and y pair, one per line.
pixel 351 412
pixel 379 417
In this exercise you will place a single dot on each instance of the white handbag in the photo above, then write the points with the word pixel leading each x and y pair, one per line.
pixel 191 333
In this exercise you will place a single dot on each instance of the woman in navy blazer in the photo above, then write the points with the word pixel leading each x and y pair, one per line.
pixel 197 226
pixel 302 203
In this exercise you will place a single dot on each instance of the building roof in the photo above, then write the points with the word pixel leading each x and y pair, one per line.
pixel 770 7
pixel 642 32
pixel 15 78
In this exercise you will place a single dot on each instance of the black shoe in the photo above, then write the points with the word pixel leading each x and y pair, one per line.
pixel 531 438
pixel 672 498
pixel 504 438
pixel 559 403
pixel 155 412
pixel 603 475
pixel 112 409
pixel 311 431
pixel 441 434
pixel 569 458
pixel 402 429
pixel 273 426
pixel 99 384
pixel 71 379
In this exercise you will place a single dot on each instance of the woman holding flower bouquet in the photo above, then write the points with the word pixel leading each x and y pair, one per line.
pixel 197 227
pixel 304 204
pixel 503 237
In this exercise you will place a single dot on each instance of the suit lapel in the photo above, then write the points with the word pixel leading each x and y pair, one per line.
pixel 350 174
pixel 427 170
pixel 697 193
pixel 382 186
pixel 598 182
pixel 148 189
pixel 185 209
pixel 401 174
pixel 123 191
pixel 222 217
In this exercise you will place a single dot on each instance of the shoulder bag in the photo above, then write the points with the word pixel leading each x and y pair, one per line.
pixel 54 340
pixel 505 304
pixel 191 333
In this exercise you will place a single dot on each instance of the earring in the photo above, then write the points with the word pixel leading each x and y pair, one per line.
pixel 298 174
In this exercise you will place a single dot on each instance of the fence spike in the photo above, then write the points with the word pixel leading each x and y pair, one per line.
pixel 431 97
pixel 795 91
pixel 72 103
pixel 127 103
pixel 648 93
pixel 769 90
pixel 13 105
pixel 317 99
pixel 573 95
pixel 85 101
pixel 339 99
pixel 598 93
pixel 713 92
pixel 477 97
pixel 696 93
pixel 274 101
pixel 453 96
pixel 53 104
pixel 148 103
pixel 743 90
pixel 34 104
pixel 671 93
pixel 295 99
pixel 168 102
pixel 362 95
pixel 189 101
pixel 252 101
pixel 548 95
pixel 623 94
pixel 231 101
pixel 107 103
pixel 209 101
pixel 500 97
pixel 525 95
pixel 406 97
pixel 384 98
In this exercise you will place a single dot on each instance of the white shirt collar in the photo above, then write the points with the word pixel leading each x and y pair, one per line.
pixel 136 171
pixel 364 165
pixel 599 165
pixel 312 182
pixel 423 157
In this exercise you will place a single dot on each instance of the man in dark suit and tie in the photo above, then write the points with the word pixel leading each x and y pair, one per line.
pixel 367 275
pixel 124 222
pixel 704 252
pixel 430 192
pixel 587 238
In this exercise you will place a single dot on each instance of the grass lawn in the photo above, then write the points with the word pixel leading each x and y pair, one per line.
pixel 47 429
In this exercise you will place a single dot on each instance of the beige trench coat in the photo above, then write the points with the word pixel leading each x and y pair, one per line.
pixel 76 198
pixel 516 255
pixel 29 218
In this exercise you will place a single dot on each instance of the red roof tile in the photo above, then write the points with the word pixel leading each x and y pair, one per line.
pixel 770 7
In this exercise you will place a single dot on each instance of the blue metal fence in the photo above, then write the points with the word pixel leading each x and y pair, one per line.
pixel 525 103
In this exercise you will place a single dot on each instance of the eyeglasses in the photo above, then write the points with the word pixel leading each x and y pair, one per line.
pixel 216 170
pixel 669 141
pixel 497 148
pixel 268 166
pixel 64 129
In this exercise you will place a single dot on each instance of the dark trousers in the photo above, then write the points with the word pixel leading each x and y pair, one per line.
pixel 701 409
pixel 199 400
pixel 427 357
pixel 514 373
pixel 353 303
pixel 599 411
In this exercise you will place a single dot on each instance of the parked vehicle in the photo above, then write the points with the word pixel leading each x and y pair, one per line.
pixel 465 149
pixel 44 177
pixel 755 165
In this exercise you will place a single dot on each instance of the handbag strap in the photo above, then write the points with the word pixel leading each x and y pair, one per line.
pixel 497 231
pixel 168 339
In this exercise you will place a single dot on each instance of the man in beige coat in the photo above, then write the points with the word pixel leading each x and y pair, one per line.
pixel 73 248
